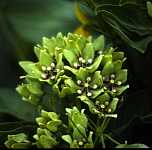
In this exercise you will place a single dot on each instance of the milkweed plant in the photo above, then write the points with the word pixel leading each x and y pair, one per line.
pixel 76 84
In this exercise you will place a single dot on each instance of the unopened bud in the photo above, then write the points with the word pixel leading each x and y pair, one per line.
pixel 119 82
pixel 88 78
pixel 95 86
pixel 43 68
pixel 52 65
pixel 79 91
pixel 48 68
pixel 52 77
pixel 44 76
pixel 79 82
pixel 86 85
pixel 102 106
pixel 89 94
pixel 90 61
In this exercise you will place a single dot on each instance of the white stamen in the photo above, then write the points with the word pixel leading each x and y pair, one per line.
pixel 52 65
pixel 53 77
pixel 99 52
pixel 80 59
pixel 80 143
pixel 57 70
pixel 83 61
pixel 86 84
pixel 106 103
pixel 105 88
pixel 48 68
pixel 102 106
pixel 114 90
pixel 44 76
pixel 112 76
pixel 95 86
pixel 89 94
pixel 119 82
pixel 88 78
pixel 97 102
pixel 112 81
pixel 75 65
pixel 79 82
pixel 109 110
pixel 90 61
pixel 43 68
pixel 79 91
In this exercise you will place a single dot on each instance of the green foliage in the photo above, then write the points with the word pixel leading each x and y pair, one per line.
pixel 121 19
pixel 73 69
pixel 18 141
pixel 132 146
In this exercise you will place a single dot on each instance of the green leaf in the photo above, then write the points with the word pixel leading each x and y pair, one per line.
pixel 66 91
pixel 79 132
pixel 99 43
pixel 45 58
pixel 22 90
pixel 49 44
pixel 47 141
pixel 21 146
pixel 121 76
pixel 121 89
pixel 59 61
pixel 95 65
pixel 70 57
pixel 74 71
pixel 67 138
pixel 103 98
pixel 88 52
pixel 117 56
pixel 21 137
pixel 106 58
pixel 149 8
pixel 11 103
pixel 70 83
pixel 30 68
pixel 117 66
pixel 82 74
pixel 97 93
pixel 76 117
pixel 35 88
pixel 108 68
pixel 131 146
pixel 53 125
pixel 87 101
pixel 113 104
pixel 97 79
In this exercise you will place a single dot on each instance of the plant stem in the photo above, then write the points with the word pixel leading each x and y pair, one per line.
pixel 101 129
pixel 110 138
pixel 102 141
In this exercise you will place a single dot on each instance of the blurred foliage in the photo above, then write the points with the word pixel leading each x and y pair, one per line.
pixel 25 22
pixel 127 23
pixel 121 21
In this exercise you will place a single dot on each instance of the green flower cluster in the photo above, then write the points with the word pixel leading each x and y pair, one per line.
pixel 74 64
pixel 79 123
pixel 18 141
pixel 48 125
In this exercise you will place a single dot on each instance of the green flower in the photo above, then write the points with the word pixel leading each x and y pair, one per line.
pixel 48 125
pixel 78 122
pixel 44 138
pixel 30 91
pixel 18 141
pixel 48 120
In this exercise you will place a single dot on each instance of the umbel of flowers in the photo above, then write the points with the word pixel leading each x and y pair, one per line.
pixel 79 66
